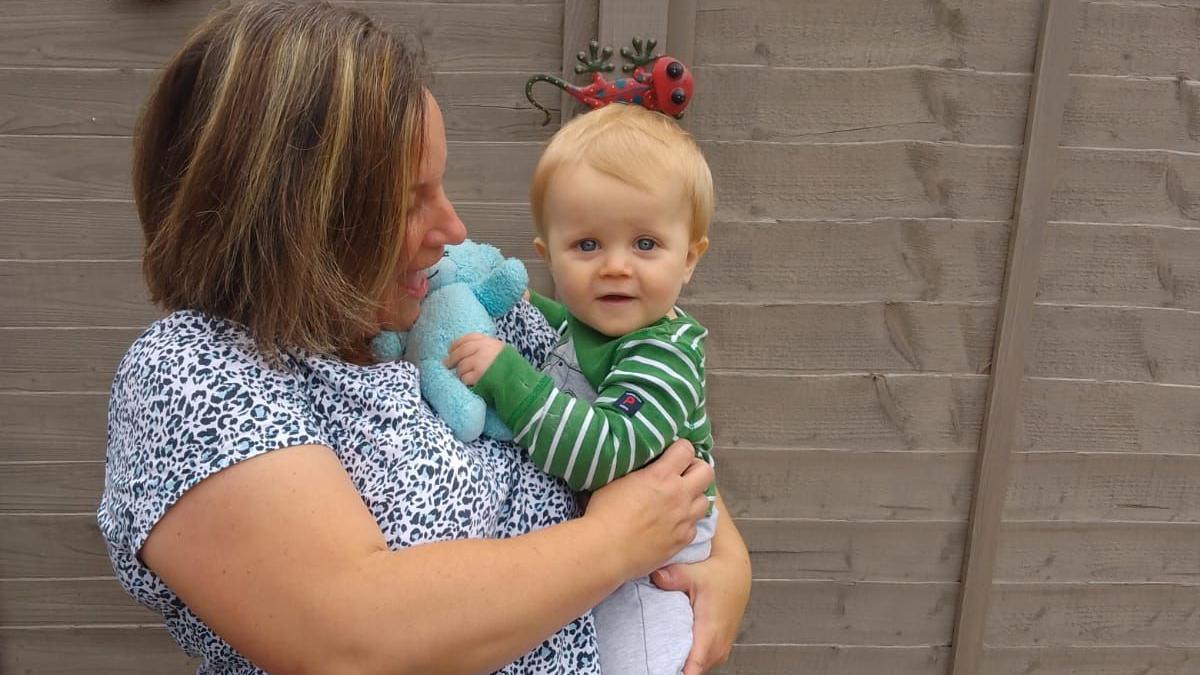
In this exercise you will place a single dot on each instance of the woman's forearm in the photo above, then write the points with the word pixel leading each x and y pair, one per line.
pixel 727 539
pixel 278 555
pixel 474 605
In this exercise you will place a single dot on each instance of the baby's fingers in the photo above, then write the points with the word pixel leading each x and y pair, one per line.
pixel 460 349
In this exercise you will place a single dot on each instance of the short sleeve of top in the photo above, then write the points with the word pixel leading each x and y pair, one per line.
pixel 185 404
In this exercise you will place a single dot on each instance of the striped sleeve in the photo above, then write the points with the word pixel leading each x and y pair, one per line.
pixel 650 398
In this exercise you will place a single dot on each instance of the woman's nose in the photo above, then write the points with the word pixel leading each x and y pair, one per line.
pixel 449 229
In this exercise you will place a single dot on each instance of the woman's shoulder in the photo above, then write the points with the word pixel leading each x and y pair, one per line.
pixel 186 339
pixel 193 396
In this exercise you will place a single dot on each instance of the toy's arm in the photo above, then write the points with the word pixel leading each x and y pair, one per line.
pixel 556 314
pixel 503 288
pixel 647 401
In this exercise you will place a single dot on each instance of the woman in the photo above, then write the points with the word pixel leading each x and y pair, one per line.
pixel 267 485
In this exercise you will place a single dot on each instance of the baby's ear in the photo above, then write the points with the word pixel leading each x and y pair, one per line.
pixel 695 250
pixel 539 245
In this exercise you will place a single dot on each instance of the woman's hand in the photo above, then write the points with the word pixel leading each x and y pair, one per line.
pixel 654 510
pixel 719 589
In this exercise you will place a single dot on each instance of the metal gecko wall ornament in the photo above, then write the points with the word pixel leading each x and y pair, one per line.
pixel 666 86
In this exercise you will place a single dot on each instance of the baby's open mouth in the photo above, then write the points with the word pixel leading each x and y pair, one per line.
pixel 616 297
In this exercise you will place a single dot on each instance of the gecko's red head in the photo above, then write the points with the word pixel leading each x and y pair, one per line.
pixel 672 85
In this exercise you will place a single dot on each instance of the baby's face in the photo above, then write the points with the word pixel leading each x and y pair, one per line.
pixel 619 255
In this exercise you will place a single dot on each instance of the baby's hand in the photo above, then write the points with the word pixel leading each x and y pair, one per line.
pixel 471 355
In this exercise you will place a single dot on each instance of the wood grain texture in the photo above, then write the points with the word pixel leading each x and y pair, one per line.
pixel 761 103
pixel 39 487
pixel 1077 486
pixel 35 428
pixel 477 106
pixel 62 360
pixel 937 104
pixel 96 167
pixel 743 103
pixel 72 101
pixel 1092 551
pixel 861 33
pixel 109 230
pixel 1111 343
pixel 1131 265
pixel 839 338
pixel 854 613
pixel 854 550
pixel 889 259
pixel 840 485
pixel 1015 316
pixel 128 33
pixel 834 660
pixel 1090 660
pixel 1117 38
pixel 69 602
pixel 859 412
pixel 60 230
pixel 1116 417
pixel 760 180
pixel 1138 38
pixel 146 650
pixel 859 660
pixel 73 293
pixel 1094 614
pixel 581 20
pixel 56 546
pixel 1127 186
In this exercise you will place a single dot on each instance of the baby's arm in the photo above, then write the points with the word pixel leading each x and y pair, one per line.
pixel 644 404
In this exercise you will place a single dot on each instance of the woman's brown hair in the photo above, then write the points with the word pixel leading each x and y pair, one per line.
pixel 271 171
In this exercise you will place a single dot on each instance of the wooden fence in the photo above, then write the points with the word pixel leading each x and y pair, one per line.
pixel 872 170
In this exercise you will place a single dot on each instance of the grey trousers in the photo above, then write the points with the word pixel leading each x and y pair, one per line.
pixel 643 630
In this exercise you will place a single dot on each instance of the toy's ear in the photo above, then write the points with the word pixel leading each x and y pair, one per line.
pixel 695 250
pixel 539 245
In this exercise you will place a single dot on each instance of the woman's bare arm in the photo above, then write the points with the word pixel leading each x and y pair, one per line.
pixel 280 557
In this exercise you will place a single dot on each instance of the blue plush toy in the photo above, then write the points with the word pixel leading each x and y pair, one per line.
pixel 471 285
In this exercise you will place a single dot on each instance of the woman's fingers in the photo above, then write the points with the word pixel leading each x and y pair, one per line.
pixel 676 459
pixel 698 475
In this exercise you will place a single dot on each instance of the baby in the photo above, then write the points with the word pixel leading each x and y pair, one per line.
pixel 621 200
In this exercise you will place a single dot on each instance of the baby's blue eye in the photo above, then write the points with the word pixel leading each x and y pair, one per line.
pixel 645 244
pixel 588 245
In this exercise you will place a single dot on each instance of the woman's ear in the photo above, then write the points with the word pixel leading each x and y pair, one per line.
pixel 695 250
pixel 540 246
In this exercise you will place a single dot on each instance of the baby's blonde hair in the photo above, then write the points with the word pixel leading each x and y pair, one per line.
pixel 637 147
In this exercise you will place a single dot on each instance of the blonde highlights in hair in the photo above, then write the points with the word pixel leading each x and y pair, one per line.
pixel 637 147
pixel 272 167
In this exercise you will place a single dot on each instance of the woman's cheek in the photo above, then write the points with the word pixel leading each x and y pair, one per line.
pixel 399 311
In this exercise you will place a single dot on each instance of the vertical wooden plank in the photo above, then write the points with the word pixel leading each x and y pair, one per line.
pixel 622 20
pixel 1035 184
pixel 581 20
pixel 681 31
pixel 681 38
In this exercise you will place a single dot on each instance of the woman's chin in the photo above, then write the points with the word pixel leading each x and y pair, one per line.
pixel 400 315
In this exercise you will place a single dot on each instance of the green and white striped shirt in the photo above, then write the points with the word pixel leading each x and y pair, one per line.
pixel 650 392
